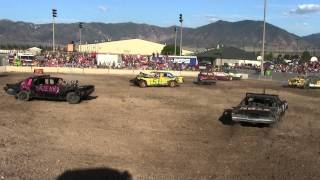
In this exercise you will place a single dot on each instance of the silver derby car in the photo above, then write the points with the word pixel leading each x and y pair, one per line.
pixel 259 109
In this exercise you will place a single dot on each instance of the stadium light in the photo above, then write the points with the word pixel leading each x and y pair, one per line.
pixel 263 38
pixel 175 40
pixel 54 15
pixel 80 34
pixel 180 20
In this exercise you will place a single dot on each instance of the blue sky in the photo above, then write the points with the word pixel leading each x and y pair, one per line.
pixel 297 16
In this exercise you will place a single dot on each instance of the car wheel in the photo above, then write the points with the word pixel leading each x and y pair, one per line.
pixel 142 84
pixel 23 96
pixel 172 84
pixel 73 98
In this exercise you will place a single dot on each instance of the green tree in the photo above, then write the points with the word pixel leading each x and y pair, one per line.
pixel 287 57
pixel 306 56
pixel 169 50
pixel 269 56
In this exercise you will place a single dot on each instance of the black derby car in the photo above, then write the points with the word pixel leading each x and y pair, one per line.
pixel 259 109
pixel 52 88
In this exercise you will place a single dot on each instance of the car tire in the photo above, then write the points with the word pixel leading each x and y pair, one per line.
pixel 142 84
pixel 73 98
pixel 172 84
pixel 23 96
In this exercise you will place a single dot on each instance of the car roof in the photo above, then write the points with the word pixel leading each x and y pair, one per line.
pixel 262 95
pixel 44 76
pixel 160 72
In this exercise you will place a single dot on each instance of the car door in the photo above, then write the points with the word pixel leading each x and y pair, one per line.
pixel 165 78
pixel 46 88
pixel 52 88
pixel 156 79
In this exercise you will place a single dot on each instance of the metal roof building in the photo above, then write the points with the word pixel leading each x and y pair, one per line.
pixel 130 47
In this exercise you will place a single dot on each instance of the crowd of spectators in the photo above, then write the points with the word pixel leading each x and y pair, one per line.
pixel 67 60
pixel 296 67
pixel 154 62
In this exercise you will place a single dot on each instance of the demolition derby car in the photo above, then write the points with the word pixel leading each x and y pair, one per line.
pixel 157 79
pixel 222 76
pixel 304 82
pixel 234 74
pixel 46 87
pixel 206 77
pixel 259 109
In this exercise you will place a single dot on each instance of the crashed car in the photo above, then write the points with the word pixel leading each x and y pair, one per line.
pixel 259 109
pixel 299 81
pixel 304 82
pixel 157 78
pixel 222 76
pixel 314 82
pixel 47 87
pixel 206 77
pixel 234 74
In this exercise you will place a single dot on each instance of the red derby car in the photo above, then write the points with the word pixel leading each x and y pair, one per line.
pixel 206 78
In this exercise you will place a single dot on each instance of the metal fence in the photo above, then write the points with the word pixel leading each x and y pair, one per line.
pixel 2 60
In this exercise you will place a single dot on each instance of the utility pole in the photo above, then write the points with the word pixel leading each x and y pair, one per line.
pixel 264 37
pixel 175 40
pixel 54 15
pixel 80 31
pixel 180 20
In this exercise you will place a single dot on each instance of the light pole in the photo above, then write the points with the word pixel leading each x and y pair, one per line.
pixel 180 20
pixel 80 28
pixel 54 15
pixel 175 40
pixel 264 37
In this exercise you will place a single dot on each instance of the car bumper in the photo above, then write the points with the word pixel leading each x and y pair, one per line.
pixel 10 91
pixel 254 120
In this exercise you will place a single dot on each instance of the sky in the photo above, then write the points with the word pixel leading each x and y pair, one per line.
pixel 300 17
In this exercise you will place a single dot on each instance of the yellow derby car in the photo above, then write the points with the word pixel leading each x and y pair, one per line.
pixel 298 81
pixel 305 82
pixel 157 79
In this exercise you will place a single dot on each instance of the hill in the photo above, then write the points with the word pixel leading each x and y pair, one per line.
pixel 243 34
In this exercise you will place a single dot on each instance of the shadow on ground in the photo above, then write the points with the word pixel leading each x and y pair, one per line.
pixel 3 75
pixel 95 174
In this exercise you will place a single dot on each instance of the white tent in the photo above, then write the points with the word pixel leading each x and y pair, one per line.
pixel 34 50
pixel 314 59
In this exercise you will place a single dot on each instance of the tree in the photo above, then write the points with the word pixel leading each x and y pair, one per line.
pixel 306 56
pixel 287 57
pixel 269 57
pixel 169 50
pixel 280 59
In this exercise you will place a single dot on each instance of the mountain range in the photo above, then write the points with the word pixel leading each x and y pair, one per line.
pixel 242 34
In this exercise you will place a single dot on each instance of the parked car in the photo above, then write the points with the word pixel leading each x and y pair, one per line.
pixel 222 76
pixel 259 109
pixel 157 78
pixel 206 77
pixel 47 87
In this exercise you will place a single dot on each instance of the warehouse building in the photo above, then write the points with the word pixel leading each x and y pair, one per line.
pixel 129 47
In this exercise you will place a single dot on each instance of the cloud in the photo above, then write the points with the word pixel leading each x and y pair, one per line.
pixel 103 8
pixel 306 9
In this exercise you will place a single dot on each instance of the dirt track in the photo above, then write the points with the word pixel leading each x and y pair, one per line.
pixel 157 133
